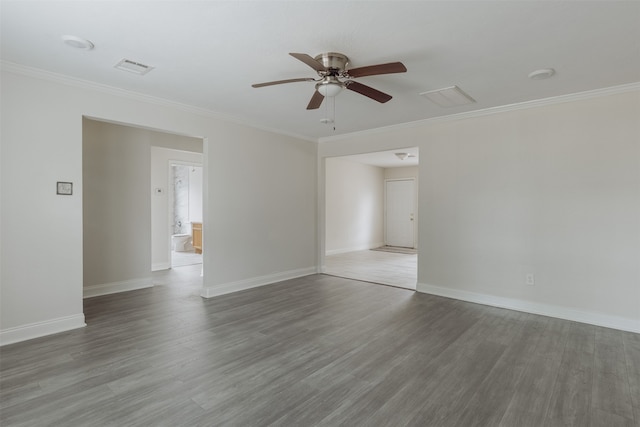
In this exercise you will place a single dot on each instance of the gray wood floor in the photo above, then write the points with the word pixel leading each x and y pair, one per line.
pixel 318 350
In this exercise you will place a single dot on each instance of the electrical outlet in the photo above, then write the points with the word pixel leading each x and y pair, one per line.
pixel 530 279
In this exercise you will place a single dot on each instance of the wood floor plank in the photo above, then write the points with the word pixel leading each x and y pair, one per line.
pixel 531 399
pixel 488 404
pixel 571 396
pixel 323 403
pixel 631 344
pixel 57 408
pixel 600 418
pixel 611 392
pixel 455 374
pixel 316 350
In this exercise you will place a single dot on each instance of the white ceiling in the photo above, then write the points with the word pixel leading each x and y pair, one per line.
pixel 208 53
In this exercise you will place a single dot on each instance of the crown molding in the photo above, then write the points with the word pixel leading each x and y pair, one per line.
pixel 40 74
pixel 578 96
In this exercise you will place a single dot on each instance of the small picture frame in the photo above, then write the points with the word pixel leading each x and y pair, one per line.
pixel 64 188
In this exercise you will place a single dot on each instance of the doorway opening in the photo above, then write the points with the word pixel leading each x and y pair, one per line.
pixel 371 217
pixel 185 217
pixel 124 192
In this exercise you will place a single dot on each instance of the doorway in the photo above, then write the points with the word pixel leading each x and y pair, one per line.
pixel 356 209
pixel 124 203
pixel 185 216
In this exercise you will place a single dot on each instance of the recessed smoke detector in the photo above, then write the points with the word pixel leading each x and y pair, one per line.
pixel 77 42
pixel 449 97
pixel 133 67
pixel 542 74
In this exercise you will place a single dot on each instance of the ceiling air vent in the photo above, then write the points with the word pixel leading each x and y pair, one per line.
pixel 449 97
pixel 133 67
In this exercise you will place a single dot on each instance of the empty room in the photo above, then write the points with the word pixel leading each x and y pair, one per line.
pixel 523 307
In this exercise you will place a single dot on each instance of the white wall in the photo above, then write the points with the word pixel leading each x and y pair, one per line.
pixel 195 194
pixel 552 190
pixel 354 206
pixel 160 203
pixel 261 221
pixel 408 172
pixel 261 227
pixel 117 207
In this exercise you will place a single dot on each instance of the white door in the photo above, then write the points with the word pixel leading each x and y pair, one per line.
pixel 399 213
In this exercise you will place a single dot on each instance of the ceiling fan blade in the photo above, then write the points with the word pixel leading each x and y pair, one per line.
pixel 279 82
pixel 372 70
pixel 316 101
pixel 368 91
pixel 309 61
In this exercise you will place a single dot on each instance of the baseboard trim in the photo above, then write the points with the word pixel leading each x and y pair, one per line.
pixel 597 319
pixel 115 287
pixel 160 266
pixel 241 285
pixel 354 249
pixel 41 329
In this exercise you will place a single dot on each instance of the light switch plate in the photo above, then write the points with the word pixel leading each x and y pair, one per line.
pixel 64 188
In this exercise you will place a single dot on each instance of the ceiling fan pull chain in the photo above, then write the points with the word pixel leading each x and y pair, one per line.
pixel 334 114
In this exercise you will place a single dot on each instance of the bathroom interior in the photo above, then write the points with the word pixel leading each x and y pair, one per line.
pixel 186 238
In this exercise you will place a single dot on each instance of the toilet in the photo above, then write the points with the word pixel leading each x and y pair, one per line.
pixel 181 243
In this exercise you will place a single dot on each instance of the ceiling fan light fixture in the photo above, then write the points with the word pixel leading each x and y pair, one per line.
pixel 329 88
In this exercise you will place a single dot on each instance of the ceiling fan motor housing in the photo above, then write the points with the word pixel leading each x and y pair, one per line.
pixel 335 62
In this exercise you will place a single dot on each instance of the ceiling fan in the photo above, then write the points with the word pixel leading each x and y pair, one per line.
pixel 334 76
